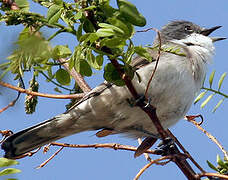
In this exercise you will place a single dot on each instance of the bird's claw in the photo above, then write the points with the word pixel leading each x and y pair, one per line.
pixel 166 147
pixel 141 100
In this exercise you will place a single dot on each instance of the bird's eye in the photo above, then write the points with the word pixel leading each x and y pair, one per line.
pixel 188 29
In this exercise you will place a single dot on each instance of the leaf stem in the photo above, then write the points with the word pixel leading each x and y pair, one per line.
pixel 215 91
pixel 55 82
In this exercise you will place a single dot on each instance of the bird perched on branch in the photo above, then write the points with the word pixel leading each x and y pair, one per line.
pixel 176 82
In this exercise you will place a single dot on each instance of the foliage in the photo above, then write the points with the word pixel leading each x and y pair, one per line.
pixel 101 30
pixel 8 162
pixel 222 166
pixel 212 92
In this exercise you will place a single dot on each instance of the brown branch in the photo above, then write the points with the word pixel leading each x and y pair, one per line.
pixel 157 60
pixel 156 161
pixel 77 77
pixel 212 175
pixel 210 136
pixel 151 112
pixel 49 159
pixel 12 103
pixel 185 151
pixel 56 96
pixel 114 146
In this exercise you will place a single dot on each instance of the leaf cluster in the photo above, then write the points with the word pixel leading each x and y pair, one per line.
pixel 96 25
pixel 7 171
pixel 222 165
pixel 210 92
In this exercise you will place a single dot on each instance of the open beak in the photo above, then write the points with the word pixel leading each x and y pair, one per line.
pixel 214 39
pixel 207 32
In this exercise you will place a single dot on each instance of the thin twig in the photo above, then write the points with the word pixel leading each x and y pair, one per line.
pixel 9 105
pixel 59 85
pixel 114 146
pixel 210 136
pixel 157 60
pixel 49 159
pixel 55 96
pixel 149 164
pixel 77 77
pixel 213 175
pixel 185 151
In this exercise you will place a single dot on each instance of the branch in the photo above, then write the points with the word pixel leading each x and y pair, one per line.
pixel 56 96
pixel 185 151
pixel 49 159
pixel 157 60
pixel 212 175
pixel 114 146
pixel 77 77
pixel 150 163
pixel 151 112
pixel 192 120
pixel 96 146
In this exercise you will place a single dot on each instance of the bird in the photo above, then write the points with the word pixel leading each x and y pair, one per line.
pixel 107 108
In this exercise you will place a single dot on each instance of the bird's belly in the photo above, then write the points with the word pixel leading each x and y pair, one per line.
pixel 171 104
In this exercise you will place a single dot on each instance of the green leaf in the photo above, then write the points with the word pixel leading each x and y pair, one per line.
pixel 111 75
pixel 9 171
pixel 221 80
pixel 109 26
pixel 58 2
pixel 61 51
pixel 23 5
pixel 103 32
pixel 95 62
pixel 115 42
pixel 92 37
pixel 7 162
pixel 211 78
pixel 63 77
pixel 99 61
pixel 217 105
pixel 143 52
pixel 126 27
pixel 200 96
pixel 88 26
pixel 220 162
pixel 130 13
pixel 79 32
pixel 212 166
pixel 54 13
pixel 82 67
pixel 206 101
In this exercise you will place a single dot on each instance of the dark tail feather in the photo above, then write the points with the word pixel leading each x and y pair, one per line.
pixel 41 134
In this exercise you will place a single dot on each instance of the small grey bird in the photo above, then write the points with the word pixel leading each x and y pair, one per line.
pixel 176 82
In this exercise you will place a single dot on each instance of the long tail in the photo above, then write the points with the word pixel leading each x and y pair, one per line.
pixel 41 134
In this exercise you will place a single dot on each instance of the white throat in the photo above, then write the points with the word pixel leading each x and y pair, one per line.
pixel 200 50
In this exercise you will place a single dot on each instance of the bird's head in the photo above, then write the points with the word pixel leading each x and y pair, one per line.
pixel 186 33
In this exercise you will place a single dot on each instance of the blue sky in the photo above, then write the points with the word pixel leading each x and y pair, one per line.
pixel 104 164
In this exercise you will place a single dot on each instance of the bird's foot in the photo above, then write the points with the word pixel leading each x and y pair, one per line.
pixel 141 101
pixel 166 147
